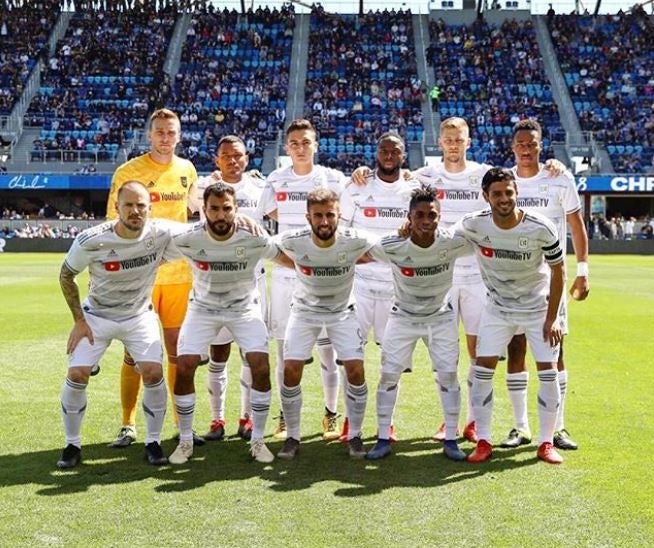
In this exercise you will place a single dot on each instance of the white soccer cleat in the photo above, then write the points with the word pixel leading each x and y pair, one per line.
pixel 183 452
pixel 260 452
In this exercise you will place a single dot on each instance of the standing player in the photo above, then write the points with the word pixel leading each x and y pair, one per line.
pixel 122 257
pixel 224 257
pixel 284 200
pixel 378 207
pixel 515 248
pixel 169 180
pixel 422 270
pixel 557 199
pixel 231 160
pixel 324 258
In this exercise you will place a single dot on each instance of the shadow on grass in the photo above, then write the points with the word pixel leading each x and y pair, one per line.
pixel 415 463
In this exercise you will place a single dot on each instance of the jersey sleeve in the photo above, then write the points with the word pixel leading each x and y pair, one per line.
pixel 552 247
pixel 268 202
pixel 77 258
pixel 571 201
pixel 424 175
pixel 195 195
pixel 378 253
pixel 271 249
pixel 347 207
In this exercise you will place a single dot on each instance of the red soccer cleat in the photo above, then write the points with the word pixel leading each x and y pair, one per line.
pixel 440 433
pixel 482 452
pixel 392 435
pixel 345 432
pixel 470 432
pixel 548 453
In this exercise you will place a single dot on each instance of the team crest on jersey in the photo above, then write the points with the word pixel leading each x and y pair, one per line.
pixel 523 243
pixel 240 252
pixel 342 257
pixel 184 181
pixel 149 244
pixel 317 183
pixel 442 254
pixel 152 184
pixel 543 188
pixel 474 181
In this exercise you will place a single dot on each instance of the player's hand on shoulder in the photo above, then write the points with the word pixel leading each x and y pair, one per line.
pixel 250 224
pixel 554 167
pixel 217 176
pixel 360 174
pixel 407 174
pixel 80 330
pixel 405 229
pixel 256 174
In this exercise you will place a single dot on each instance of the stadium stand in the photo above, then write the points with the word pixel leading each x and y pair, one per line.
pixel 361 81
pixel 608 65
pixel 492 76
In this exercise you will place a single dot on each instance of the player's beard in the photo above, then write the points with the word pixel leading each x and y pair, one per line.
pixel 392 172
pixel 324 233
pixel 133 223
pixel 220 228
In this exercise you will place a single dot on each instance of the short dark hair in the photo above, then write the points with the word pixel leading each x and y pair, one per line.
pixel 230 140
pixel 219 190
pixel 321 196
pixel 390 136
pixel 496 174
pixel 126 183
pixel 301 124
pixel 423 194
pixel 527 125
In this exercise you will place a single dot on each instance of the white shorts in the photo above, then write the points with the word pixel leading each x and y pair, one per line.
pixel 441 337
pixel 200 328
pixel 281 294
pixel 225 335
pixel 563 313
pixel 139 334
pixel 344 333
pixel 495 333
pixel 372 314
pixel 468 301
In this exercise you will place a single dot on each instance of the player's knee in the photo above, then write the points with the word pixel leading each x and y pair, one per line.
pixel 389 381
pixel 293 372
pixel 220 352
pixel 151 372
pixel 127 359
pixel 79 375
pixel 517 352
pixel 447 380
pixel 186 364
pixel 355 373
pixel 259 367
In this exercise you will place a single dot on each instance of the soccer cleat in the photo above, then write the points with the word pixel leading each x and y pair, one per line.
pixel 70 457
pixel 95 370
pixel 154 454
pixel 280 429
pixel 562 440
pixel 290 448
pixel 245 426
pixel 216 430
pixel 260 452
pixel 197 440
pixel 548 453
pixel 392 435
pixel 357 451
pixel 517 437
pixel 482 452
pixel 380 450
pixel 330 427
pixel 183 452
pixel 470 432
pixel 440 433
pixel 126 436
pixel 451 450
pixel 345 431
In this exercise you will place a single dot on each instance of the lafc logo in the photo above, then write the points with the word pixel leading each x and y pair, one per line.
pixel 523 243
pixel 240 252
pixel 342 257
pixel 184 181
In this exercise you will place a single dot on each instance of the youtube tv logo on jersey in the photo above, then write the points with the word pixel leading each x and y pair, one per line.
pixel 155 197
pixel 369 212
pixel 281 196
pixel 112 266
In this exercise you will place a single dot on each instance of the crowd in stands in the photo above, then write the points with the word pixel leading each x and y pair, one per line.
pixel 362 81
pixel 233 79
pixel 608 64
pixel 493 76
pixel 24 31
pixel 40 230
pixel 620 228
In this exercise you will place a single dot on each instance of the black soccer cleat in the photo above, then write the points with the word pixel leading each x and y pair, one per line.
pixel 154 454
pixel 70 457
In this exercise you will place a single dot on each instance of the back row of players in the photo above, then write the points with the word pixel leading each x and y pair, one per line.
pixel 378 202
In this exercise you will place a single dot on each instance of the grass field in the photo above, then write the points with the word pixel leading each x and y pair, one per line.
pixel 603 495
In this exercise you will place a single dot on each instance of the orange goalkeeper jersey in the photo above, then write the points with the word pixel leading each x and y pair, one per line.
pixel 169 186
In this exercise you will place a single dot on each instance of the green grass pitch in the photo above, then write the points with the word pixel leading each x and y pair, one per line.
pixel 603 494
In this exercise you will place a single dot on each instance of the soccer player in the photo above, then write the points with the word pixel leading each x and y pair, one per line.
pixel 422 271
pixel 169 180
pixel 231 160
pixel 122 257
pixel 557 199
pixel 515 248
pixel 377 207
pixel 284 200
pixel 324 258
pixel 225 257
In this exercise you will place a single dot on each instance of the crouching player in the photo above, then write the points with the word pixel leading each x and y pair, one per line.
pixel 122 257
pixel 224 256
pixel 422 266
pixel 514 249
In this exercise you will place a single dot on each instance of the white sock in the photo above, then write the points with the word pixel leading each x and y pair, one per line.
pixel 329 374
pixel 279 365
pixel 357 397
pixel 73 406
pixel 516 383
pixel 246 385
pixel 154 408
pixel 563 388
pixel 386 399
pixel 217 384
pixel 344 384
pixel 548 404
pixel 470 416
pixel 260 409
pixel 449 392
pixel 185 407
pixel 481 394
pixel 292 408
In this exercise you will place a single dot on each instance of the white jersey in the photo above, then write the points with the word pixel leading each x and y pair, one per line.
pixel 422 276
pixel 224 271
pixel 248 195
pixel 458 194
pixel 512 261
pixel 287 192
pixel 122 270
pixel 378 208
pixel 552 197
pixel 324 275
